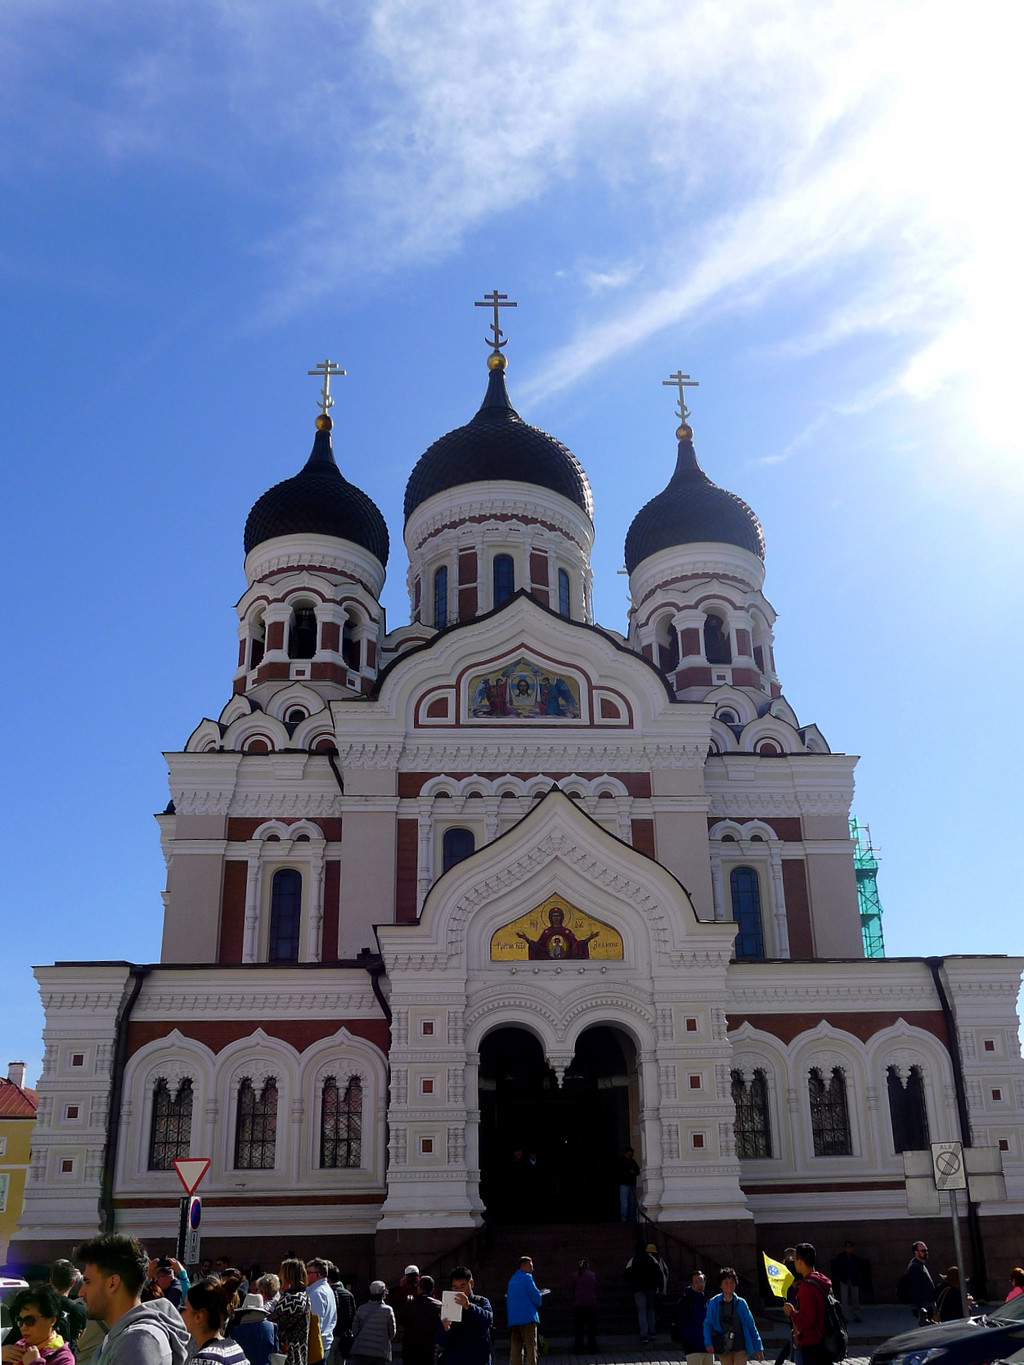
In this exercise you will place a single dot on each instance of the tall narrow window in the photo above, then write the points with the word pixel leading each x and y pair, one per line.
pixel 171 1133
pixel 503 578
pixel 256 1126
pixel 907 1112
pixel 257 643
pixel 441 598
pixel 302 634
pixel 341 1123
pixel 285 915
pixel 716 641
pixel 350 645
pixel 563 593
pixel 457 844
pixel 746 911
pixel 668 647
pixel 753 1125
pixel 830 1114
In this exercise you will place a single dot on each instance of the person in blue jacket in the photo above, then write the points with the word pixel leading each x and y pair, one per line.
pixel 467 1342
pixel 729 1328
pixel 523 1299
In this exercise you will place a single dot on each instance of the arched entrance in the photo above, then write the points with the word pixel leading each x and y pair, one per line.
pixel 548 1152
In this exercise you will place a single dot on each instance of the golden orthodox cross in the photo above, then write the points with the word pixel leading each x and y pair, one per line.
pixel 327 368
pixel 495 300
pixel 682 382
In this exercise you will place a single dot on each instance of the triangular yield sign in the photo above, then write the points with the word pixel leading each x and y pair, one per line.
pixel 191 1170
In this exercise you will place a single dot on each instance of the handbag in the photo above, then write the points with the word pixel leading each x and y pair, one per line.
pixel 314 1341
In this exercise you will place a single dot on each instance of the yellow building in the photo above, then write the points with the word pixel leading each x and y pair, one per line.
pixel 17 1120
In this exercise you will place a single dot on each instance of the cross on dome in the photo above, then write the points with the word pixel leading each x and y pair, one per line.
pixel 495 300
pixel 326 368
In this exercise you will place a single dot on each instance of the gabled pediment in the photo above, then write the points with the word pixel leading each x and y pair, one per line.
pixel 556 855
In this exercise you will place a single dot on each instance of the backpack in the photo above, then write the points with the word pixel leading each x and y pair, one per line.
pixel 835 1339
pixel 903 1293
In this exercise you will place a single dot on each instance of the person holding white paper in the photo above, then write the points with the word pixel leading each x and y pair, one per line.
pixel 467 1342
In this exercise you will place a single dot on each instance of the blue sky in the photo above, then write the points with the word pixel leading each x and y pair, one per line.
pixel 807 206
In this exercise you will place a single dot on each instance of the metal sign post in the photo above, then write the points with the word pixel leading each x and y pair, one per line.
pixel 948 1168
pixel 190 1171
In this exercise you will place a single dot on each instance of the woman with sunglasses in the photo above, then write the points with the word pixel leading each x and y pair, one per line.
pixel 35 1312
pixel 205 1310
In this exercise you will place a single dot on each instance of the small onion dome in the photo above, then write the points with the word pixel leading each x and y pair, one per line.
pixel 498 444
pixel 318 500
pixel 690 509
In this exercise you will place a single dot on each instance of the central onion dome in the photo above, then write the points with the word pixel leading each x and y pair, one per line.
pixel 498 445
pixel 319 500
pixel 691 509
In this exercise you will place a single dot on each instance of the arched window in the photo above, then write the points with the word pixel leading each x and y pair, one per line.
pixel 746 911
pixel 503 578
pixel 563 593
pixel 341 1124
pixel 830 1114
pixel 285 915
pixel 753 1125
pixel 716 641
pixel 302 633
pixel 907 1112
pixel 458 844
pixel 441 598
pixel 171 1133
pixel 256 1126
pixel 350 645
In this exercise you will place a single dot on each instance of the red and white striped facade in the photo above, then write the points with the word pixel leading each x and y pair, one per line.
pixel 350 766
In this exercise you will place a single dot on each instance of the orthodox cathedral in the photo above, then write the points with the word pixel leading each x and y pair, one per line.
pixel 456 912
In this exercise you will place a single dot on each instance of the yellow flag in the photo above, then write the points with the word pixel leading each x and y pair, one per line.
pixel 779 1278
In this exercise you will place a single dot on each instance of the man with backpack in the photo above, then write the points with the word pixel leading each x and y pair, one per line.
pixel 63 1277
pixel 819 1326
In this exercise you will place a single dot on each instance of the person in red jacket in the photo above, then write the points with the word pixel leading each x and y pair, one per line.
pixel 807 1312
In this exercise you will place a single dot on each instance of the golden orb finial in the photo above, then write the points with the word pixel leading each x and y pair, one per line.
pixel 323 422
pixel 496 361
pixel 684 432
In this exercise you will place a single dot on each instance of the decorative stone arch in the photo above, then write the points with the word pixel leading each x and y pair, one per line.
pixel 241 733
pixel 731 698
pixel 826 1047
pixel 296 695
pixel 277 829
pixel 173 1058
pixel 768 729
pixel 237 708
pixel 206 738
pixel 258 1057
pixel 345 1055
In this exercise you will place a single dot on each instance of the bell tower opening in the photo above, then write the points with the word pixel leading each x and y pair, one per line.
pixel 548 1151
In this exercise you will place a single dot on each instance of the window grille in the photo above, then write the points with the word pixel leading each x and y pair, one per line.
pixel 171 1133
pixel 830 1115
pixel 256 1126
pixel 341 1124
pixel 752 1128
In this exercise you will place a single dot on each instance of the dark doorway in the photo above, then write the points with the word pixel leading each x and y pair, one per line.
pixel 548 1152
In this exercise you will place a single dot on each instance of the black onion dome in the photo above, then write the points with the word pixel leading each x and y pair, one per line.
pixel 690 509
pixel 319 500
pixel 498 444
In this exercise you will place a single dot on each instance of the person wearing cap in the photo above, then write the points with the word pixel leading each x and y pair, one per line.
pixel 253 1331
pixel 405 1290
pixel 374 1328
pixel 647 1276
pixel 419 1321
